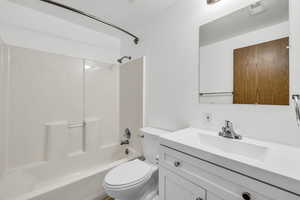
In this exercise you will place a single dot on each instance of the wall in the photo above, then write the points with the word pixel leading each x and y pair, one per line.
pixel 295 40
pixel 131 100
pixel 102 99
pixel 217 74
pixel 21 26
pixel 170 44
pixel 43 88
pixel 48 88
pixel 2 104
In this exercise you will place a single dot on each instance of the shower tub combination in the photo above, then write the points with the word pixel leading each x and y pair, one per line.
pixel 61 119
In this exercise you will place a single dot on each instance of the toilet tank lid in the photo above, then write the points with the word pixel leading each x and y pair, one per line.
pixel 153 131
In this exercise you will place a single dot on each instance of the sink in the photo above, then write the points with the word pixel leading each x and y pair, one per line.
pixel 236 147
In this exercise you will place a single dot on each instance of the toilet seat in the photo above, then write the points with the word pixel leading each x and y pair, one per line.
pixel 129 175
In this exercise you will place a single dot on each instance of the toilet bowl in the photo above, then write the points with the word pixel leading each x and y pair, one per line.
pixel 134 180
pixel 137 180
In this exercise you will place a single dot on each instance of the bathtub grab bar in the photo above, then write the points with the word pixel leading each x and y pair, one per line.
pixel 76 124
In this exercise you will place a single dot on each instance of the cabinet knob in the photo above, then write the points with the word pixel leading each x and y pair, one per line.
pixel 246 196
pixel 177 164
pixel 199 198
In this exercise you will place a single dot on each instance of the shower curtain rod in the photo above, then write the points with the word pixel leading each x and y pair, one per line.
pixel 136 39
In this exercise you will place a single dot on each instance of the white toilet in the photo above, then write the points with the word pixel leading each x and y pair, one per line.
pixel 137 180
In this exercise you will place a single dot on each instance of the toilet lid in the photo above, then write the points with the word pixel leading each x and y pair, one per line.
pixel 128 173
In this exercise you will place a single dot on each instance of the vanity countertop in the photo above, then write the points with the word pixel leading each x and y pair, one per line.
pixel 271 163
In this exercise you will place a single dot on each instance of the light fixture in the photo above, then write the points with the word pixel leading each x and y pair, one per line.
pixel 212 1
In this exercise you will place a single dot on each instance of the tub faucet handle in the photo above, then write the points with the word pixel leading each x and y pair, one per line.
pixel 127 133
pixel 123 142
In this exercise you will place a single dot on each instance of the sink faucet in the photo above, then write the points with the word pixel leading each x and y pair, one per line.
pixel 228 131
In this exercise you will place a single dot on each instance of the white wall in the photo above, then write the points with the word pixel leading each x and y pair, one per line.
pixel 171 46
pixel 216 60
pixel 131 100
pixel 102 99
pixel 295 40
pixel 43 88
pixel 48 88
pixel 25 27
pixel 2 105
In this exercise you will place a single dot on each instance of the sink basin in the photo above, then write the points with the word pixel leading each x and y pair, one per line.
pixel 237 147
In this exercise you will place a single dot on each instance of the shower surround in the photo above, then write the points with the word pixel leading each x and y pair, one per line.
pixel 60 119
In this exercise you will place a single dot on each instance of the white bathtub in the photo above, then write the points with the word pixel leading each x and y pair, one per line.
pixel 84 185
pixel 44 182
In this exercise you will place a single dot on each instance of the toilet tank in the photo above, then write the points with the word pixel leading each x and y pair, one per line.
pixel 151 143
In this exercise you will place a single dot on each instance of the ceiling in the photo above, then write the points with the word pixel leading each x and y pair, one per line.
pixel 125 13
pixel 241 22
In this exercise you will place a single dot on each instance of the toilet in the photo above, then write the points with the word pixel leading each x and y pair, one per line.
pixel 137 180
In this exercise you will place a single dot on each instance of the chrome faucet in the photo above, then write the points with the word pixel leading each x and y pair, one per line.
pixel 228 131
pixel 126 136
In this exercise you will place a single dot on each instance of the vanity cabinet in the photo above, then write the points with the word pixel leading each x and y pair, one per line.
pixel 185 177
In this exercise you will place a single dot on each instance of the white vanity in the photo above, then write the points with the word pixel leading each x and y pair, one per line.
pixel 201 165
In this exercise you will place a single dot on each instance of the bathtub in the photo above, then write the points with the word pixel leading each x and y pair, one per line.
pixel 83 184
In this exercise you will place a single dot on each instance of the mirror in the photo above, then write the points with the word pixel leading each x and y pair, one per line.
pixel 244 56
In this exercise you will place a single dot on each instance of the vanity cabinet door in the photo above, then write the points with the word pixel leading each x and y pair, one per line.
pixel 174 187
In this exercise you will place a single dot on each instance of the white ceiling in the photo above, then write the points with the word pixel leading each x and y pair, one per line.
pixel 125 13
pixel 122 12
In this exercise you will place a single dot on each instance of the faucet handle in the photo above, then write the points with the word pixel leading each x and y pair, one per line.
pixel 127 133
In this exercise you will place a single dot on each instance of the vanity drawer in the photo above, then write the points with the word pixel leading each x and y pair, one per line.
pixel 221 182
